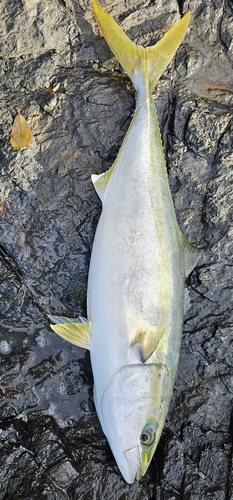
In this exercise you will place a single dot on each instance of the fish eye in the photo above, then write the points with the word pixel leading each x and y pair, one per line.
pixel 147 436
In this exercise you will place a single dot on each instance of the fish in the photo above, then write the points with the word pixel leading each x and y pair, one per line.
pixel 136 296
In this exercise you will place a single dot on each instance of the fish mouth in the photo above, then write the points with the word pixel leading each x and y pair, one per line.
pixel 140 473
pixel 144 464
pixel 133 461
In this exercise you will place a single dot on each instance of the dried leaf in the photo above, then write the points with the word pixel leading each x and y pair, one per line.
pixel 20 134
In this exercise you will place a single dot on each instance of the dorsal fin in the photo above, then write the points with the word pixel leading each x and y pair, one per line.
pixel 191 255
pixel 74 330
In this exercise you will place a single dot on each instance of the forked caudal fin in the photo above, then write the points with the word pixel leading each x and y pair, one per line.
pixel 137 61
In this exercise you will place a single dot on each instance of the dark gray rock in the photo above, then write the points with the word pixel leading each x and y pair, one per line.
pixel 78 102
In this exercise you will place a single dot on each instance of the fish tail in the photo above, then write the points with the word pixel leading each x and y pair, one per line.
pixel 141 64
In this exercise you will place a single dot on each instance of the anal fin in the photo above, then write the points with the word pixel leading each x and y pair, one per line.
pixel 100 181
pixel 74 330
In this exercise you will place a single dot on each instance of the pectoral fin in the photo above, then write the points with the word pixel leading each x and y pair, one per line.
pixel 74 330
pixel 148 340
pixel 191 255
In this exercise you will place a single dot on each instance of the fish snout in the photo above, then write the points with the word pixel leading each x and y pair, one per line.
pixel 133 464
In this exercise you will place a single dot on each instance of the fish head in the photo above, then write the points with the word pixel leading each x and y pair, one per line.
pixel 133 410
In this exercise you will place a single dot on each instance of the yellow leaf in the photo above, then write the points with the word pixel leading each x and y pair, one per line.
pixel 20 134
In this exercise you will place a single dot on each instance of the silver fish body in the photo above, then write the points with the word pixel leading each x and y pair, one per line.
pixel 136 280
pixel 139 261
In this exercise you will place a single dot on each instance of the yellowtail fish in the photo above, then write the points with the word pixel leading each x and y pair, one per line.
pixel 139 261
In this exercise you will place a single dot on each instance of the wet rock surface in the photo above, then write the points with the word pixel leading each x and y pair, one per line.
pixel 57 69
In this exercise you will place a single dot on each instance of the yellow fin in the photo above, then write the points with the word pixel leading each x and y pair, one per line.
pixel 77 333
pixel 160 54
pixel 123 48
pixel 149 62
pixel 100 181
pixel 148 340
pixel 191 255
